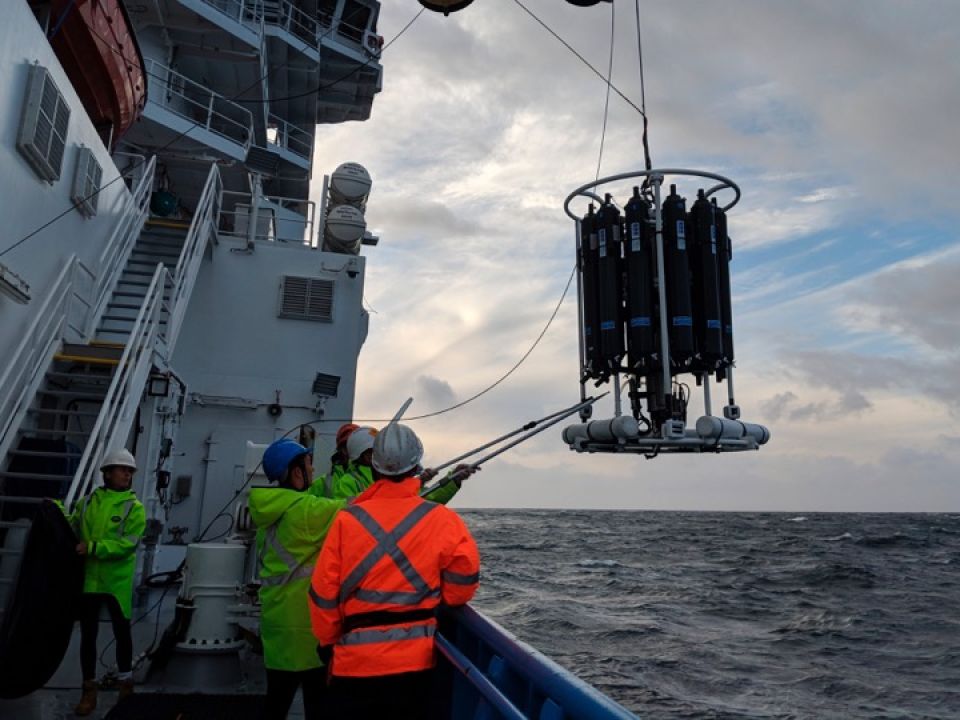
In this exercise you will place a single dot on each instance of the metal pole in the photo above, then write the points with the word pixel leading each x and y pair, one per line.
pixel 730 400
pixel 529 426
pixel 661 282
pixel 579 270
pixel 707 405
pixel 617 409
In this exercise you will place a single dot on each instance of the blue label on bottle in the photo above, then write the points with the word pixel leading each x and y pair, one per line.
pixel 608 325
pixel 640 322
pixel 681 235
pixel 682 321
pixel 713 324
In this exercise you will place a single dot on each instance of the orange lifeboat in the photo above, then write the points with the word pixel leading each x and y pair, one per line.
pixel 96 44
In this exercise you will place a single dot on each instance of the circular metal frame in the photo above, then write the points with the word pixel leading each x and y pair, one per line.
pixel 584 190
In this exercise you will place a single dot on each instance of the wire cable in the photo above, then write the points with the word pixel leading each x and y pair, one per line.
pixel 236 98
pixel 606 102
pixel 643 94
pixel 582 59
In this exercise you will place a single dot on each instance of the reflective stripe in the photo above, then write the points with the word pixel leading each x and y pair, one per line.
pixel 300 573
pixel 458 579
pixel 386 545
pixel 400 597
pixel 364 637
pixel 322 602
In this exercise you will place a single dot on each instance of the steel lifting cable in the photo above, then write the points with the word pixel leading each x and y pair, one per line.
pixel 236 98
pixel 606 102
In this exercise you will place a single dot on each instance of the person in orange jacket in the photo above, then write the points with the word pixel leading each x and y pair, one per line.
pixel 388 562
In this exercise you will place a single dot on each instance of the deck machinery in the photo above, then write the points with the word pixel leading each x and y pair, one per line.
pixel 653 285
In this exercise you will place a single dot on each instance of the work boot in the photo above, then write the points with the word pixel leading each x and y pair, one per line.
pixel 126 689
pixel 88 700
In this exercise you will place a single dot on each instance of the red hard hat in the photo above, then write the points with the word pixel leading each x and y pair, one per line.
pixel 344 432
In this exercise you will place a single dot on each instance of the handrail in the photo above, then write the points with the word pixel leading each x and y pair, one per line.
pixel 245 12
pixel 289 137
pixel 29 362
pixel 236 218
pixel 123 396
pixel 294 21
pixel 113 258
pixel 202 227
pixel 192 101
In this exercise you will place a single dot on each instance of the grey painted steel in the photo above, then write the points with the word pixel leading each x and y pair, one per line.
pixel 490 692
pixel 707 405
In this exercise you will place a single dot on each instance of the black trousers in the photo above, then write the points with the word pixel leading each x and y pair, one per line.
pixel 282 687
pixel 405 696
pixel 89 623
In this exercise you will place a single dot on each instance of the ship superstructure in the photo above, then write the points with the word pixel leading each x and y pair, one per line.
pixel 167 285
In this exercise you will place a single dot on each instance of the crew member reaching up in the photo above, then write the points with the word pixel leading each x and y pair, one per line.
pixel 389 560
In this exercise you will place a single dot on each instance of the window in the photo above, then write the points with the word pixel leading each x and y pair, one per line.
pixel 304 298
pixel 43 127
pixel 86 182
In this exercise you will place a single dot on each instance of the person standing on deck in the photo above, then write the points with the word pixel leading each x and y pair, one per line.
pixel 109 523
pixel 291 527
pixel 389 560
pixel 338 462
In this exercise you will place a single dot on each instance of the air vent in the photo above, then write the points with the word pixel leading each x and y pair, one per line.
pixel 43 127
pixel 86 182
pixel 326 385
pixel 303 298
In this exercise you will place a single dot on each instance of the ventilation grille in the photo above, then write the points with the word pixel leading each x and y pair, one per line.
pixel 304 298
pixel 86 182
pixel 43 127
pixel 326 385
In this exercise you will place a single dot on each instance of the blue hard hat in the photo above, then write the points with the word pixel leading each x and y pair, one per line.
pixel 278 456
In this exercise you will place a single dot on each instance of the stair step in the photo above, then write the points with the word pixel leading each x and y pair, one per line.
pixel 148 250
pixel 125 318
pixel 35 431
pixel 45 453
pixel 34 476
pixel 92 352
pixel 124 306
pixel 82 377
pixel 64 413
pixel 71 394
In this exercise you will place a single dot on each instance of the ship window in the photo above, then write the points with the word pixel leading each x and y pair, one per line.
pixel 303 298
pixel 354 20
pixel 43 127
pixel 326 385
pixel 86 182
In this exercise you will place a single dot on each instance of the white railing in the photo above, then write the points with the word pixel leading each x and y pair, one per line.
pixel 245 12
pixel 202 228
pixel 198 104
pixel 148 337
pixel 284 14
pixel 252 217
pixel 113 258
pixel 28 366
pixel 287 136
pixel 123 396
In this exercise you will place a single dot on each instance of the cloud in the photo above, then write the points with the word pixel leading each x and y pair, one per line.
pixel 437 393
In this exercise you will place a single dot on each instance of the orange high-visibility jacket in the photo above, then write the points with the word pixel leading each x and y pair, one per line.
pixel 389 560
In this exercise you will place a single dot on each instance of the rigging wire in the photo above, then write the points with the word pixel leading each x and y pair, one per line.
pixel 197 123
pixel 643 95
pixel 582 59
pixel 606 102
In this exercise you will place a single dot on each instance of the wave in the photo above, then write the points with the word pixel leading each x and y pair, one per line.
pixel 798 518
pixel 895 539
pixel 838 538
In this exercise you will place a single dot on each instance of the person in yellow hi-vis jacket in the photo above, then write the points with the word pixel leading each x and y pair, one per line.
pixel 109 523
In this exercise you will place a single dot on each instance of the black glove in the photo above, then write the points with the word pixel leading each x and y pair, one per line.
pixel 325 653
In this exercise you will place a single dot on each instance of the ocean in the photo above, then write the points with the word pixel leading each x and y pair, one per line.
pixel 735 615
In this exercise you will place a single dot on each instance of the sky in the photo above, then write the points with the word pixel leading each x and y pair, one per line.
pixel 840 122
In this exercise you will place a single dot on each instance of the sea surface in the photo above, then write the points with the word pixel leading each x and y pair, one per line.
pixel 736 615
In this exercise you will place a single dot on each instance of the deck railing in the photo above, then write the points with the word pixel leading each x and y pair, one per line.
pixel 249 217
pixel 246 12
pixel 198 104
pixel 148 338
pixel 28 365
pixel 287 16
pixel 283 134
pixel 203 227
pixel 113 258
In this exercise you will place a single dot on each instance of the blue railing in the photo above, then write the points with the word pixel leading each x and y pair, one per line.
pixel 490 675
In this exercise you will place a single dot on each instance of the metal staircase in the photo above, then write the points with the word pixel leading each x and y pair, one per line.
pixel 69 395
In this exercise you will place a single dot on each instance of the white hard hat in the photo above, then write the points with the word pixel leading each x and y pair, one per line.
pixel 121 457
pixel 360 441
pixel 396 450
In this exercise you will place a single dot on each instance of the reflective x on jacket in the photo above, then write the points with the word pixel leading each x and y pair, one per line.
pixel 291 527
pixel 391 553
pixel 111 523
